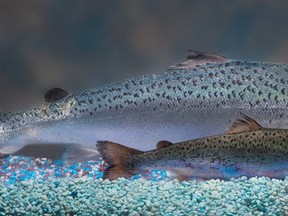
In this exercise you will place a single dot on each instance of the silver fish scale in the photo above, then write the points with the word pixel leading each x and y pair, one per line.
pixel 217 82
pixel 231 84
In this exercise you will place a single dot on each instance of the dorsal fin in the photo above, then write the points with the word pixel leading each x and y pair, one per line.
pixel 163 144
pixel 55 94
pixel 244 124
pixel 199 58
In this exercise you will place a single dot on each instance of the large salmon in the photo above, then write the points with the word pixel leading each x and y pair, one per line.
pixel 196 98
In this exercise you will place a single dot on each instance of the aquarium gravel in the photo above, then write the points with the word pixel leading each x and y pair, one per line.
pixel 36 191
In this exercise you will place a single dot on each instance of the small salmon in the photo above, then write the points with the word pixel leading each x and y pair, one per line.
pixel 246 149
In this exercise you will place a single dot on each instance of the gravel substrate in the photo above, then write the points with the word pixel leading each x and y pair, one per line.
pixel 72 194
pixel 18 168
pixel 256 196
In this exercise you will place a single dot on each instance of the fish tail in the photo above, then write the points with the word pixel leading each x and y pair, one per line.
pixel 116 155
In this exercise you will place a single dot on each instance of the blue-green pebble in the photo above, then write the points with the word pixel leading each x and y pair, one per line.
pixel 255 196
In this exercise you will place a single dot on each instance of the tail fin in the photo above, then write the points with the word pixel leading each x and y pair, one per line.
pixel 116 155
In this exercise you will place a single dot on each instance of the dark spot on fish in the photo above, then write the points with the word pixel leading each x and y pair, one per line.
pixel 276 98
pixel 201 76
pixel 269 95
pixel 205 87
pixel 222 84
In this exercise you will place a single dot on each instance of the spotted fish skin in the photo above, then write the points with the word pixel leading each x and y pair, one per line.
pixel 262 153
pixel 257 152
pixel 185 102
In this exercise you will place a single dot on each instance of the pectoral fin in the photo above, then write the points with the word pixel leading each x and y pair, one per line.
pixel 50 151
pixel 178 174
pixel 74 153
pixel 69 153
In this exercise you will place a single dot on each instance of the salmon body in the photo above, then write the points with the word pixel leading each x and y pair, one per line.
pixel 199 97
pixel 250 152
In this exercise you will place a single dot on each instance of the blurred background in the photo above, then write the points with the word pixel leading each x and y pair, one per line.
pixel 77 45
